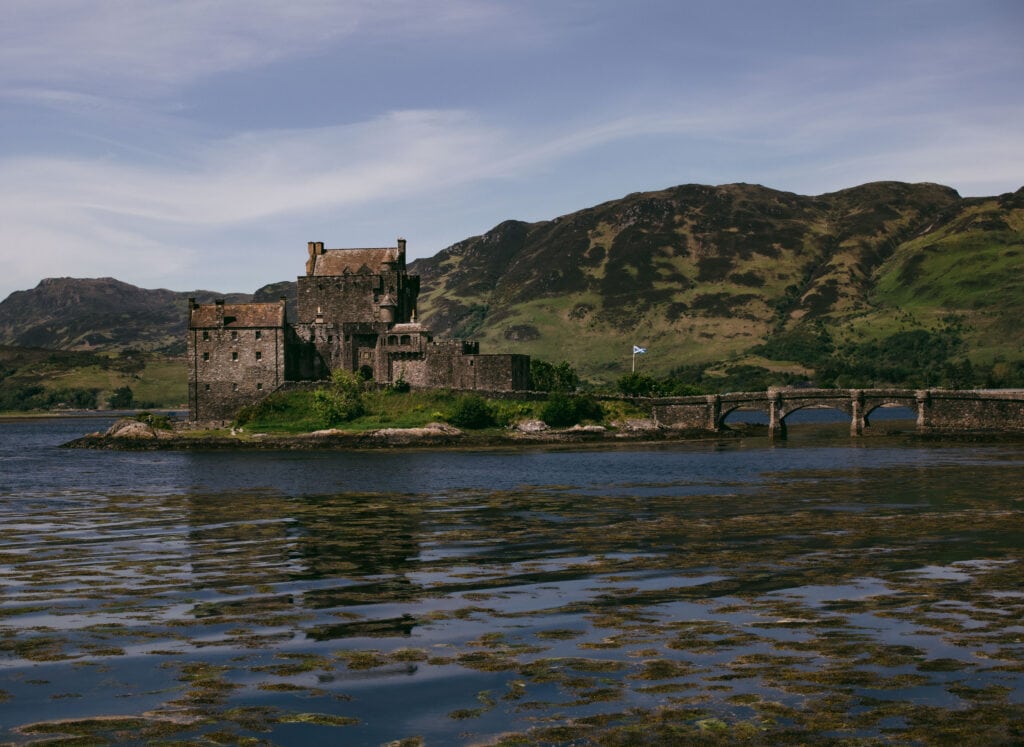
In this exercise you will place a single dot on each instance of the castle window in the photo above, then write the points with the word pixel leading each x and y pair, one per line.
pixel 393 340
pixel 234 387
pixel 259 355
pixel 206 356
pixel 258 334
pixel 330 338
pixel 206 334
pixel 207 387
pixel 234 356
pixel 234 335
pixel 406 340
pixel 259 387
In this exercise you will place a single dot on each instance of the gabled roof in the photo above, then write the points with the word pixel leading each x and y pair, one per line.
pixel 238 315
pixel 354 261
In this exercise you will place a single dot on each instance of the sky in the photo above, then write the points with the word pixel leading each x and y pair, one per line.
pixel 199 144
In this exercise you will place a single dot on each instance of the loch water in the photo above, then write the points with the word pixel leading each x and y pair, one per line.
pixel 817 590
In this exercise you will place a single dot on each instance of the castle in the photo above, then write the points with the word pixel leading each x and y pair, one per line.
pixel 356 312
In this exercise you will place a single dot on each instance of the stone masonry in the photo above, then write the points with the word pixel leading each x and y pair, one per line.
pixel 357 313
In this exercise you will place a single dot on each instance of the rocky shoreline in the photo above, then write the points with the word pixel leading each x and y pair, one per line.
pixel 132 435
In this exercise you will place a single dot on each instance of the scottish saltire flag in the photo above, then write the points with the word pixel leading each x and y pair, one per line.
pixel 638 350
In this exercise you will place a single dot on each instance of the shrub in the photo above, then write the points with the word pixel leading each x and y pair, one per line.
pixel 472 411
pixel 545 377
pixel 342 402
pixel 562 410
pixel 161 422
pixel 398 386
pixel 637 385
pixel 121 398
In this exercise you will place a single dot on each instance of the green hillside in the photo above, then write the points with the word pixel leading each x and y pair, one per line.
pixel 728 287
pixel 713 278
pixel 40 379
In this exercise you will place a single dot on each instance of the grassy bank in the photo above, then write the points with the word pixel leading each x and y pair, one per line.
pixel 304 411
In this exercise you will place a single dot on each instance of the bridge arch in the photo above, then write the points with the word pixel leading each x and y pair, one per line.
pixel 758 407
pixel 934 408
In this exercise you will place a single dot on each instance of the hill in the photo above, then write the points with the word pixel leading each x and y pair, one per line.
pixel 732 286
pixel 744 275
pixel 105 314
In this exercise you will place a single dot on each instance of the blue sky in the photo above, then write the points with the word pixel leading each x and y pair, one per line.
pixel 202 143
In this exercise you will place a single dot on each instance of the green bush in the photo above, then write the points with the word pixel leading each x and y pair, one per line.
pixel 157 421
pixel 472 411
pixel 545 377
pixel 121 398
pixel 398 386
pixel 342 402
pixel 562 410
pixel 637 385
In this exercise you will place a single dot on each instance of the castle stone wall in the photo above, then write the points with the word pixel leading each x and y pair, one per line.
pixel 231 368
pixel 356 311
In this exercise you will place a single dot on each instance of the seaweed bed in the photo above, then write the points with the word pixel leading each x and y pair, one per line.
pixel 828 606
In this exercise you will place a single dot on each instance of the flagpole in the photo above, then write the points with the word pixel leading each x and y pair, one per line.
pixel 637 349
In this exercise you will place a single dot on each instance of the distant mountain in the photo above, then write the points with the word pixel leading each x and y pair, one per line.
pixel 700 275
pixel 104 314
pixel 736 275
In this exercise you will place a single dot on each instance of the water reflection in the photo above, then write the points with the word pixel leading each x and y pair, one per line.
pixel 863 592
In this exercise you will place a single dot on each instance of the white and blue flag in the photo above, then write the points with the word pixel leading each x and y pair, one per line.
pixel 639 350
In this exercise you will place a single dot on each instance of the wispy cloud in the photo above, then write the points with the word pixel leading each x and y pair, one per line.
pixel 94 215
pixel 155 45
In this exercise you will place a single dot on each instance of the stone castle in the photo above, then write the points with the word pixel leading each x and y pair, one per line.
pixel 356 312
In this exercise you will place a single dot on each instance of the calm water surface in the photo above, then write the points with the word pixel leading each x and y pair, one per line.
pixel 820 590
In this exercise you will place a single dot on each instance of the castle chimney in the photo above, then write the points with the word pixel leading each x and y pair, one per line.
pixel 191 304
pixel 401 246
pixel 219 304
pixel 319 247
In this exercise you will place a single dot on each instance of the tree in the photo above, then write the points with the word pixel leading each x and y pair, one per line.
pixel 562 410
pixel 342 402
pixel 545 377
pixel 472 411
pixel 121 398
pixel 637 385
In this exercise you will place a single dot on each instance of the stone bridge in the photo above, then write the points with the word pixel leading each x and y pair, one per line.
pixel 936 409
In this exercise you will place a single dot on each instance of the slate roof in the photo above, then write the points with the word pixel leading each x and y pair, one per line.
pixel 354 261
pixel 408 327
pixel 238 315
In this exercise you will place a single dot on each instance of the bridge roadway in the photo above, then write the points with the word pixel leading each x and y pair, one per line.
pixel 937 409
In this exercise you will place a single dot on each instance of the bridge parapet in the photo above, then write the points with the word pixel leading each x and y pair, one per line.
pixel 936 409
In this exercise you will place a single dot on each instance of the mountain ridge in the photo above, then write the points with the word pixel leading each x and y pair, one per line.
pixel 700 275
pixel 706 274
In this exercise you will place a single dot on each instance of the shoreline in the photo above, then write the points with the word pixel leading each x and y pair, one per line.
pixel 394 438
pixel 452 439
